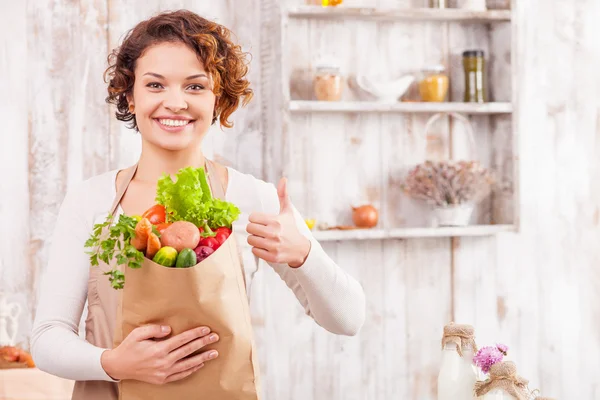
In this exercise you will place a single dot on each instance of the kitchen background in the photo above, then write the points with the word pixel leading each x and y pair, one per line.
pixel 535 290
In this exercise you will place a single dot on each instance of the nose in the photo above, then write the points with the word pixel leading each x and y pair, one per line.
pixel 175 101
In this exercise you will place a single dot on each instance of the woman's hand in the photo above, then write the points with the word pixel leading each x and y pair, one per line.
pixel 141 358
pixel 276 238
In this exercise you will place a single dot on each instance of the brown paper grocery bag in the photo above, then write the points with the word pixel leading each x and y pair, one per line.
pixel 212 293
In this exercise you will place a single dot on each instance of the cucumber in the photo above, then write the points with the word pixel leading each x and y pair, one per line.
pixel 166 256
pixel 186 258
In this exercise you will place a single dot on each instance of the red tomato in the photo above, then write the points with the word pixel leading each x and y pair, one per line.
pixel 221 237
pixel 155 214
pixel 210 242
pixel 225 230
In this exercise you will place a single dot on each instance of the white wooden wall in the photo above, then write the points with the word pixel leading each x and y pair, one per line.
pixel 535 291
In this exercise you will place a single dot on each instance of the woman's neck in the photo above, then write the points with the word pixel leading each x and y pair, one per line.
pixel 155 161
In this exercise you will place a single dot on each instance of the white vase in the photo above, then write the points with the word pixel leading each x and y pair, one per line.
pixel 457 376
pixel 458 215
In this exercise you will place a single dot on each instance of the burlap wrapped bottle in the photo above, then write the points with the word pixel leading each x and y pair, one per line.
pixel 457 374
pixel 503 376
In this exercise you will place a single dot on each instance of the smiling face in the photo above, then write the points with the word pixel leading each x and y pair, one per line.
pixel 173 98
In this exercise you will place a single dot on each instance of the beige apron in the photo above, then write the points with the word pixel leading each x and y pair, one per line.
pixel 105 309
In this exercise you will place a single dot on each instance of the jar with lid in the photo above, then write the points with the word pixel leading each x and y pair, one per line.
pixel 437 3
pixel 503 384
pixel 328 82
pixel 433 84
pixel 498 4
pixel 331 3
pixel 474 70
pixel 473 5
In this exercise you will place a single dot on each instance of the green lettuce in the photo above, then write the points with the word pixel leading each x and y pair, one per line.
pixel 189 198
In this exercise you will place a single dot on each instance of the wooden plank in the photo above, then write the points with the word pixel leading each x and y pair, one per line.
pixel 274 92
pixel 391 14
pixel 401 107
pixel 17 279
pixel 404 233
pixel 125 144
pixel 89 134
pixel 428 309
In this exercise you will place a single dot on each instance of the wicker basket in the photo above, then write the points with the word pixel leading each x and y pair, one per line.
pixel 459 214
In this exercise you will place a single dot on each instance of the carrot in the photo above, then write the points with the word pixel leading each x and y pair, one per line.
pixel 153 245
pixel 142 230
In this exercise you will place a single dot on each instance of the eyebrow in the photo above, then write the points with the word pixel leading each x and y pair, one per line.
pixel 187 79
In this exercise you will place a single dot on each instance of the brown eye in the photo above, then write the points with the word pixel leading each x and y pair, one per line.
pixel 154 85
pixel 196 87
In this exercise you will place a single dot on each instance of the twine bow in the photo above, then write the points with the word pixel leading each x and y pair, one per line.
pixel 461 335
pixel 504 376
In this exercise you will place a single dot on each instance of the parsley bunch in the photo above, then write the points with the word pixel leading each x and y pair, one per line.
pixel 116 244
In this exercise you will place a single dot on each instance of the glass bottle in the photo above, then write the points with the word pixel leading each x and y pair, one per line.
pixel 474 70
pixel 457 375
pixel 328 83
pixel 433 86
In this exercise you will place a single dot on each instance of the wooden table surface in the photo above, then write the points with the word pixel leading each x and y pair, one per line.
pixel 33 384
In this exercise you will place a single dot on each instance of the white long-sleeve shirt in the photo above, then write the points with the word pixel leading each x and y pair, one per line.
pixel 329 295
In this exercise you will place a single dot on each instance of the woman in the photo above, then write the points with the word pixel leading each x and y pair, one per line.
pixel 174 76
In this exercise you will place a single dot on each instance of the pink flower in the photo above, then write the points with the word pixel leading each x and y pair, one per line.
pixel 488 356
pixel 503 348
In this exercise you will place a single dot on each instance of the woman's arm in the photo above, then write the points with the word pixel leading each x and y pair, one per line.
pixel 333 298
pixel 55 344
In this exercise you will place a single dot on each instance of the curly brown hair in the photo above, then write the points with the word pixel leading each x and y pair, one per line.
pixel 224 60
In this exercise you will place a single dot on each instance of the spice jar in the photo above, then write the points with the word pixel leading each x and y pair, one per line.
pixel 474 67
pixel 328 83
pixel 437 3
pixel 331 3
pixel 433 86
pixel 473 5
pixel 498 4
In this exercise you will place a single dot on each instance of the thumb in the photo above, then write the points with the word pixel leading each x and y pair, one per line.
pixel 151 331
pixel 285 203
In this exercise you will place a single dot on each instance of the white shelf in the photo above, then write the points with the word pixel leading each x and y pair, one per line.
pixel 405 233
pixel 399 107
pixel 410 14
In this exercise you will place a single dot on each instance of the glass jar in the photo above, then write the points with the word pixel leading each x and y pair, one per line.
pixel 328 83
pixel 437 3
pixel 473 5
pixel 331 3
pixel 434 83
pixel 474 69
pixel 498 4
pixel 497 394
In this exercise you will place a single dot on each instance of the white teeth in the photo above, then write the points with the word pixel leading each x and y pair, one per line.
pixel 174 122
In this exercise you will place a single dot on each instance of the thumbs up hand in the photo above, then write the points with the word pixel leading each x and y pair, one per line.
pixel 276 238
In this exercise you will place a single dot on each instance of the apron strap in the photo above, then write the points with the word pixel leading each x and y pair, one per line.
pixel 216 185
pixel 123 188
